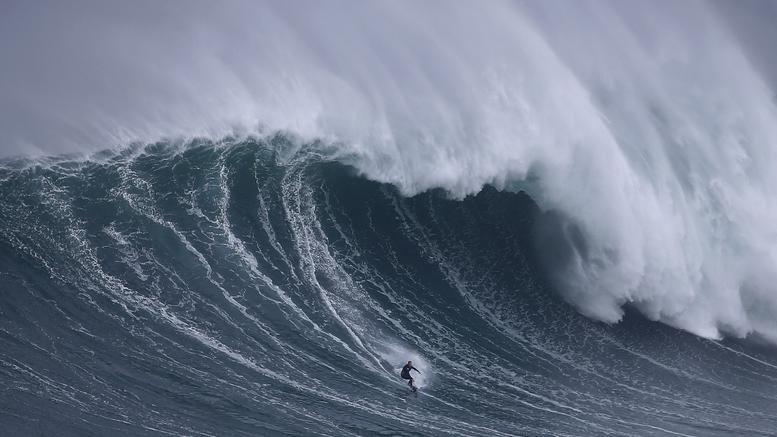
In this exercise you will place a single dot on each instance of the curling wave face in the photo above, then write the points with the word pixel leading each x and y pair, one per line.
pixel 261 287
pixel 648 131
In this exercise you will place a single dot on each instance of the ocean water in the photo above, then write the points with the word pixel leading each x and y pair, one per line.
pixel 257 287
pixel 242 218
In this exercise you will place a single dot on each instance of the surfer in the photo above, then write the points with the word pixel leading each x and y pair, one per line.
pixel 406 374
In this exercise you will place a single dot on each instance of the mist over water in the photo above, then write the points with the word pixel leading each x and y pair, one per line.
pixel 648 130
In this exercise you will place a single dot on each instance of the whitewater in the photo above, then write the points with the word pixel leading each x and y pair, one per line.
pixel 242 219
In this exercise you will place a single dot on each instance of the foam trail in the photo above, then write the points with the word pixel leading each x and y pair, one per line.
pixel 649 130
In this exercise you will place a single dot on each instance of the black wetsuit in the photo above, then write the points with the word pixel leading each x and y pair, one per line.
pixel 406 373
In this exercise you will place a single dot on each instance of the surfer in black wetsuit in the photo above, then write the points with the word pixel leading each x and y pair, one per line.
pixel 406 374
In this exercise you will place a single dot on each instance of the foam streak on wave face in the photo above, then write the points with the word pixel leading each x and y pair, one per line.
pixel 646 126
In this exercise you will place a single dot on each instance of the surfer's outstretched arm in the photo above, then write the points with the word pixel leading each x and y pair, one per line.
pixel 416 369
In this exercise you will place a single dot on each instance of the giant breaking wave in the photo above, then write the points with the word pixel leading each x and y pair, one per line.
pixel 647 130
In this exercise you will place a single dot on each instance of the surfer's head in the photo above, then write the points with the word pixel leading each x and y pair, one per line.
pixel 409 363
